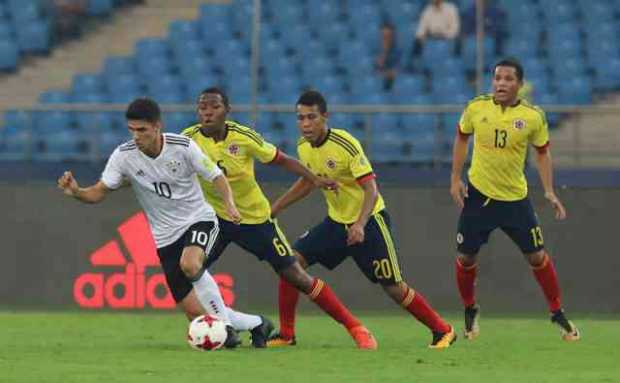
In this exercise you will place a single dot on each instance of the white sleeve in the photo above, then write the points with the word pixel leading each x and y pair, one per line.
pixel 201 163
pixel 112 175
pixel 423 24
pixel 454 26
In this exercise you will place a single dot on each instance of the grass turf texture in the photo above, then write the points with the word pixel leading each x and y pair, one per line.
pixel 113 347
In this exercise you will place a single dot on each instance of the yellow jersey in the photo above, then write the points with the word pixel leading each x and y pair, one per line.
pixel 235 155
pixel 341 158
pixel 501 138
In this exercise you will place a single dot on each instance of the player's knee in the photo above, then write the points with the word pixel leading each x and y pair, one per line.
pixel 396 291
pixel 300 258
pixel 537 258
pixel 297 276
pixel 466 260
pixel 191 264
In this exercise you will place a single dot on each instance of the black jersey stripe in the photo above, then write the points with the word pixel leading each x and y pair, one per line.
pixel 344 140
pixel 180 140
pixel 247 134
pixel 241 128
pixel 346 144
pixel 190 133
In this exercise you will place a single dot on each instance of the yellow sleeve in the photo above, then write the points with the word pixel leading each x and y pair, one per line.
pixel 359 164
pixel 465 124
pixel 261 150
pixel 540 135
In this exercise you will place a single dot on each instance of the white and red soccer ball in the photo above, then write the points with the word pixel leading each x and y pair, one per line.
pixel 206 333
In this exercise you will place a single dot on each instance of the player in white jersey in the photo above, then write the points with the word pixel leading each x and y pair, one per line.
pixel 162 169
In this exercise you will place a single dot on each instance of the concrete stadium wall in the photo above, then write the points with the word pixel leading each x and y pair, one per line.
pixel 50 241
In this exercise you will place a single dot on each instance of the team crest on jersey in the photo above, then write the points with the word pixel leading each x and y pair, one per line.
pixel 173 165
pixel 330 163
pixel 233 149
pixel 518 124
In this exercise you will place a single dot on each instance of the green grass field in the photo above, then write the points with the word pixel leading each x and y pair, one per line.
pixel 112 347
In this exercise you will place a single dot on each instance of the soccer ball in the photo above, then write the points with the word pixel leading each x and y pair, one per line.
pixel 206 333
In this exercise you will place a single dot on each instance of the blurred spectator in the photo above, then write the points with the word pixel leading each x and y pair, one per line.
pixel 388 57
pixel 68 16
pixel 439 20
pixel 494 23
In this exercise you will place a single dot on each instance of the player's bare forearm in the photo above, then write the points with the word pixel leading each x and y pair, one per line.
pixel 223 188
pixel 459 154
pixel 299 190
pixel 371 194
pixel 294 166
pixel 92 194
pixel 545 170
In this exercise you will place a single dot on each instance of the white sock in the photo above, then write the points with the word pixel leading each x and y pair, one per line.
pixel 210 297
pixel 241 321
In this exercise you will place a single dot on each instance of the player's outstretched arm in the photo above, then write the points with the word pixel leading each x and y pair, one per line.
pixel 300 189
pixel 92 194
pixel 458 189
pixel 223 188
pixel 545 170
pixel 294 166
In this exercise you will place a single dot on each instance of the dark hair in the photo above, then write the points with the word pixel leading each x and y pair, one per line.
pixel 145 109
pixel 216 90
pixel 312 97
pixel 513 63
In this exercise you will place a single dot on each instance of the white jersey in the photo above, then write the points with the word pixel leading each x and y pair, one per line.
pixel 166 186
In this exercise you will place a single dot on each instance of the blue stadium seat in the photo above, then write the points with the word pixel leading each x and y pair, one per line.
pixel 375 98
pixel 17 121
pixel 518 46
pixel 180 31
pixel 408 85
pixel 150 47
pixel 9 55
pixel 598 11
pixel 123 83
pixel 576 90
pixel 284 89
pixel 168 89
pixel 419 124
pixel 107 141
pixel 87 83
pixel 322 13
pixel 34 36
pixel 558 11
pixel 195 85
pixel 15 145
pixel 469 50
pixel 24 11
pixel 157 67
pixel 95 122
pixel 53 121
pixel 175 122
pixel 453 66
pixel 366 85
pixel 99 7
pixel 115 65
pixel 607 74
pixel 435 51
pixel 89 97
pixel 54 97
pixel 565 67
pixel 181 49
pixel 6 30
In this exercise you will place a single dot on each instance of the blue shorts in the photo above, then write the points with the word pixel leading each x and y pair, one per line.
pixel 481 215
pixel 326 243
pixel 265 240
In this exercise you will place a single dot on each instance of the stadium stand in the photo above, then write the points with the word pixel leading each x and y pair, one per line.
pixel 569 59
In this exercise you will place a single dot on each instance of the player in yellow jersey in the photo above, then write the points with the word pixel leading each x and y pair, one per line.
pixel 357 224
pixel 503 126
pixel 233 147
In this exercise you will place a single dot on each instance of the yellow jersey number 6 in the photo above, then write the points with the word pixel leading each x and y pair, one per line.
pixel 280 247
